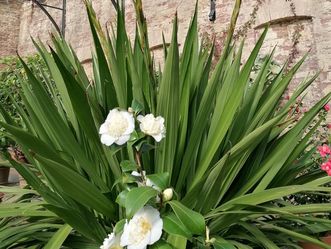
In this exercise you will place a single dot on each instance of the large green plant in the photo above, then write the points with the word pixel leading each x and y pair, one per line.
pixel 228 153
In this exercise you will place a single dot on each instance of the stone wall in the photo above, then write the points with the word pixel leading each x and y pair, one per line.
pixel 35 23
pixel 312 17
pixel 322 38
pixel 9 26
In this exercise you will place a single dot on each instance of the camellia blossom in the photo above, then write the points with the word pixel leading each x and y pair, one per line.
pixel 327 107
pixel 145 228
pixel 324 150
pixel 117 128
pixel 112 242
pixel 152 126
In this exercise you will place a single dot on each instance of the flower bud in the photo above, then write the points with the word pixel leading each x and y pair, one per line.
pixel 167 194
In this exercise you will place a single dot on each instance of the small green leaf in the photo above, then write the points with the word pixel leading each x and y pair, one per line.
pixel 127 178
pixel 161 245
pixel 137 106
pixel 143 146
pixel 128 166
pixel 121 198
pixel 192 220
pixel 135 137
pixel 119 226
pixel 161 180
pixel 172 225
pixel 137 198
pixel 177 242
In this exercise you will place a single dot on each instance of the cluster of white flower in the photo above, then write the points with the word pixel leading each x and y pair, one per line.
pixel 119 125
pixel 145 228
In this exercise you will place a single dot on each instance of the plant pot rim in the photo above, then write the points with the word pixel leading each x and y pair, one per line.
pixel 326 238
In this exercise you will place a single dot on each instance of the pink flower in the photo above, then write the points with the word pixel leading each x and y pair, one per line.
pixel 324 150
pixel 326 166
pixel 329 126
pixel 329 172
pixel 327 107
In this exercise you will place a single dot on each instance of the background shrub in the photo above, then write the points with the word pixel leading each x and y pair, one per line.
pixel 11 77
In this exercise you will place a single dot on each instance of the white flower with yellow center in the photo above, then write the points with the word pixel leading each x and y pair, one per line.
pixel 117 128
pixel 112 242
pixel 145 228
pixel 152 126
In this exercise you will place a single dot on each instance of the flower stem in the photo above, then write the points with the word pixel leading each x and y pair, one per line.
pixel 140 168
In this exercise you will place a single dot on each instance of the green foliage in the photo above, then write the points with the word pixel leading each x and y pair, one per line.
pixel 312 160
pixel 230 152
pixel 11 77
pixel 24 220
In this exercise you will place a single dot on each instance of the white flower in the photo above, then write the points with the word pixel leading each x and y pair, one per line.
pixel 112 242
pixel 152 126
pixel 145 228
pixel 167 194
pixel 117 128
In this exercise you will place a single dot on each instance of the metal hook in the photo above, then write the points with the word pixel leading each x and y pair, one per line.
pixel 212 14
pixel 115 4
pixel 43 7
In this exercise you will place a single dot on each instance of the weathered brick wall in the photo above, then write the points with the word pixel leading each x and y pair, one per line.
pixel 322 38
pixel 312 16
pixel 35 23
pixel 9 26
